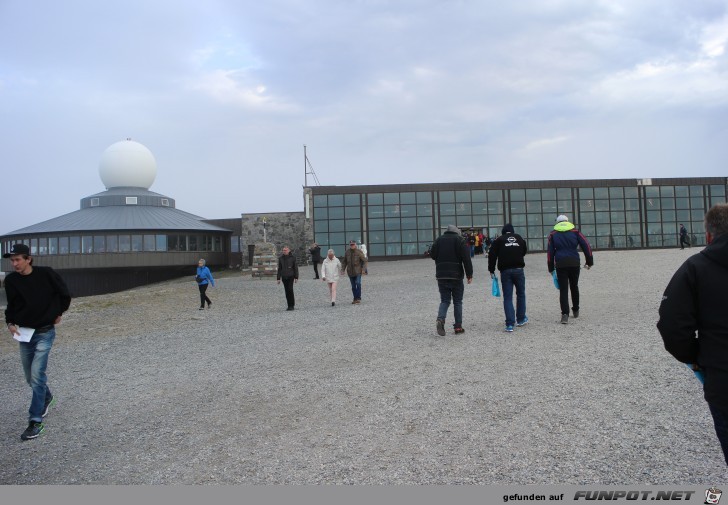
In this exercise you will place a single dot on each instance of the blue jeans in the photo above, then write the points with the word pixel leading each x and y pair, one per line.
pixel 356 286
pixel 720 420
pixel 451 288
pixel 509 278
pixel 34 356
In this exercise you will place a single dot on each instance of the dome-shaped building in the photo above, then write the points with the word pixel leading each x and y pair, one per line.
pixel 125 236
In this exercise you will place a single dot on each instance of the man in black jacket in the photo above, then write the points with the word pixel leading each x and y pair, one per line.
pixel 37 297
pixel 694 302
pixel 508 251
pixel 452 262
pixel 288 272
pixel 315 258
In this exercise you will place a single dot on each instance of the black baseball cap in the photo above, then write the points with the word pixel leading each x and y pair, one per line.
pixel 17 249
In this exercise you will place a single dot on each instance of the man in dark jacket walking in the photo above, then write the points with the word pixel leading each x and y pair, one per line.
pixel 315 258
pixel 452 262
pixel 684 237
pixel 288 272
pixel 508 251
pixel 563 254
pixel 37 298
pixel 694 303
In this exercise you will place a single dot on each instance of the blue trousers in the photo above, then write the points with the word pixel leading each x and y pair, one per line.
pixel 34 357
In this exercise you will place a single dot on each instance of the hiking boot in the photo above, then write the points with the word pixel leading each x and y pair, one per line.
pixel 509 328
pixel 459 330
pixel 441 327
pixel 576 313
pixel 357 301
pixel 564 318
pixel 333 304
pixel 33 430
pixel 48 404
pixel 522 323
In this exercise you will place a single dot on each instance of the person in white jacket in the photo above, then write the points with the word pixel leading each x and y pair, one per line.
pixel 330 271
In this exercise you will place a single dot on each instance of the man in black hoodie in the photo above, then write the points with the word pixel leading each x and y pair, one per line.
pixel 694 302
pixel 452 262
pixel 37 297
pixel 509 251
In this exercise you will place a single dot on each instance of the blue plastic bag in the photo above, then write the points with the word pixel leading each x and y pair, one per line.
pixel 495 287
pixel 556 280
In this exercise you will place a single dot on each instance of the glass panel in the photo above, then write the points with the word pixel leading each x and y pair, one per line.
pixel 548 193
pixel 632 216
pixel 462 196
pixel 34 246
pixel 682 203
pixel 336 200
pixel 617 216
pixel 376 224
pixel 519 207
pixel 75 247
pixel 589 230
pixel 391 223
pixel 375 211
pixel 424 210
pixel 601 217
pixel 717 191
pixel 409 235
pixel 533 206
pixel 42 246
pixel 319 201
pixel 564 207
pixel 533 194
pixel 681 191
pixel 631 192
pixel 321 213
pixel 535 245
pixel 424 197
pixel 407 198
pixel 653 203
pixel 352 212
pixel 394 249
pixel 563 194
pixel 322 226
pixel 161 241
pixel 668 215
pixel 632 204
pixel 518 195
pixel 447 209
pixel 463 209
pixel 652 192
pixel 587 218
pixel 447 196
pixel 586 193
pixel 653 216
pixel 336 212
pixel 321 239
pixel 495 207
pixel 408 210
pixel 518 220
pixel 495 195
pixel 425 235
pixel 616 193
pixel 696 190
pixel 409 223
pixel 353 225
pixel 351 200
pixel 99 244
pixel 424 222
pixel 601 193
pixel 136 243
pixel 336 225
pixel 376 237
pixel 667 191
pixel 125 243
pixel 53 245
pixel 391 210
pixel 336 239
pixel 409 249
pixel 535 219
pixel 87 244
pixel 479 195
pixel 375 199
pixel 393 236
pixel 480 208
pixel 464 221
pixel 534 232
pixel 616 204
pixel 112 243
pixel 601 204
pixel 391 198
pixel 376 250
pixel 585 205
pixel 696 203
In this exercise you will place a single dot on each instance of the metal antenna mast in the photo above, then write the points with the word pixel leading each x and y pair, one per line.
pixel 308 169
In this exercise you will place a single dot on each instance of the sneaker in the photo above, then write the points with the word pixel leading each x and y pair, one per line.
pixel 357 301
pixel 459 330
pixel 564 318
pixel 576 313
pixel 209 305
pixel 201 308
pixel 524 322
pixel 509 328
pixel 333 304
pixel 441 327
pixel 33 430
pixel 289 308
pixel 48 405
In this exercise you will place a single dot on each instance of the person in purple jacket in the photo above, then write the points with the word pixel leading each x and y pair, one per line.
pixel 563 255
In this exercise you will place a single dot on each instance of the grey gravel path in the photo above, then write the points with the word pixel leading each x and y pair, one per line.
pixel 152 391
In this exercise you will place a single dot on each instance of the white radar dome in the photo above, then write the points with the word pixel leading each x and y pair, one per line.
pixel 127 164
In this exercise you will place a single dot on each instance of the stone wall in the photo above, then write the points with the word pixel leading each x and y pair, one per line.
pixel 281 228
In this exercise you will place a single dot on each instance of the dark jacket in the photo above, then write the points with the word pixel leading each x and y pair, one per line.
pixel 452 257
pixel 315 254
pixel 37 299
pixel 287 267
pixel 694 302
pixel 563 246
pixel 508 251
pixel 354 262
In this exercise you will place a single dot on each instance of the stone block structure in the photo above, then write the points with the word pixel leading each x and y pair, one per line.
pixel 279 229
pixel 265 260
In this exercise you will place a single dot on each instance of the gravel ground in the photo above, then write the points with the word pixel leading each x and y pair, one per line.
pixel 152 391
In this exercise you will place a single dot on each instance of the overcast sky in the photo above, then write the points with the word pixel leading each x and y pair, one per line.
pixel 225 94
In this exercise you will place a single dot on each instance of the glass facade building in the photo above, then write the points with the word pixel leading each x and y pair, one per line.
pixel 404 220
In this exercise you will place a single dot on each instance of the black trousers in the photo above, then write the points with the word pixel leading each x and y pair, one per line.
pixel 315 268
pixel 203 296
pixel 568 279
pixel 684 242
pixel 288 287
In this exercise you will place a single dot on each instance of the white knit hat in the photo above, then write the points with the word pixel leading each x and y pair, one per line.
pixel 561 218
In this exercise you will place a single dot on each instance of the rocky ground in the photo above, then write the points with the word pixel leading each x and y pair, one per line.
pixel 152 391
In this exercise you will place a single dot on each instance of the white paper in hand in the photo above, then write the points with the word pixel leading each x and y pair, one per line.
pixel 25 334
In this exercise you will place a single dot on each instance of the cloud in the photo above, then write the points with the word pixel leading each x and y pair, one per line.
pixel 537 144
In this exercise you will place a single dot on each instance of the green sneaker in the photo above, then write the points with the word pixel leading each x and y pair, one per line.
pixel 48 406
pixel 33 430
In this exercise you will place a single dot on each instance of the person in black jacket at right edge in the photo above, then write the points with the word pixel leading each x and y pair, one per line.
pixel 508 251
pixel 563 255
pixel 452 262
pixel 694 302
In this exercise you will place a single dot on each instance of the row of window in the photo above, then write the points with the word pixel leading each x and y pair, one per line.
pixel 121 243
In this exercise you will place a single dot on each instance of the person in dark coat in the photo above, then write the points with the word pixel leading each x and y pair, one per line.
pixel 288 273
pixel 684 237
pixel 37 298
pixel 315 258
pixel 451 253
pixel 563 255
pixel 509 251
pixel 693 321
